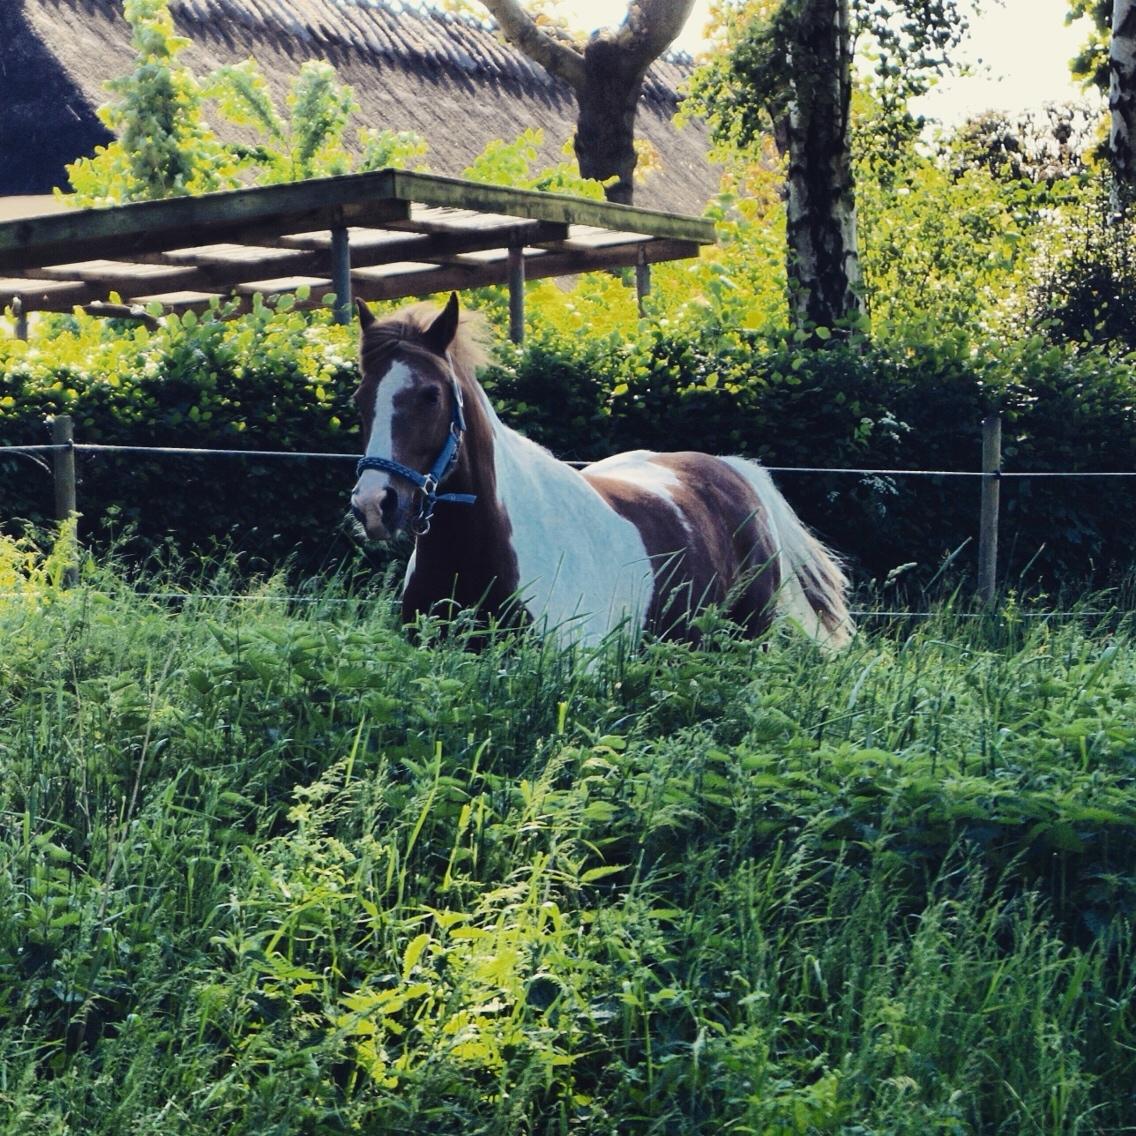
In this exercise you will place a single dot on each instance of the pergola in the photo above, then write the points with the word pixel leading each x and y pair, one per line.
pixel 377 236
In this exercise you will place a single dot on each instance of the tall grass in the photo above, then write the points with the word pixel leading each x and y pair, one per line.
pixel 266 867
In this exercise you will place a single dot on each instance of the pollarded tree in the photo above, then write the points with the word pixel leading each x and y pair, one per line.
pixel 606 74
pixel 786 67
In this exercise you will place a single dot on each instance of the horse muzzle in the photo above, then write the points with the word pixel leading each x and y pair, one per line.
pixel 381 513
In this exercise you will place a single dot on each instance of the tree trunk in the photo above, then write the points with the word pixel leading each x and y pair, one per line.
pixel 1122 95
pixel 606 75
pixel 605 126
pixel 824 263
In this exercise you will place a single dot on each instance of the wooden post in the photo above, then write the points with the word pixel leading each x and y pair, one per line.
pixel 341 274
pixel 21 318
pixel 988 520
pixel 516 293
pixel 63 465
pixel 642 279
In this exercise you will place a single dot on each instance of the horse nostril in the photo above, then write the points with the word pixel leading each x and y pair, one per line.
pixel 388 503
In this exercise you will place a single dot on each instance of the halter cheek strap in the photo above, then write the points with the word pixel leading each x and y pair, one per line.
pixel 428 483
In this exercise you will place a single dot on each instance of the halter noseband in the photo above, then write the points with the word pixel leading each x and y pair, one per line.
pixel 427 483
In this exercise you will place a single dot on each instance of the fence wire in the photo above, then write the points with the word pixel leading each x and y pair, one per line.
pixel 184 451
pixel 308 600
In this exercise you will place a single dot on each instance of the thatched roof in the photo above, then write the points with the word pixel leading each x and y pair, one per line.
pixel 449 78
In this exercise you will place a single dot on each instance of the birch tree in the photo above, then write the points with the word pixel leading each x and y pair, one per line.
pixel 787 68
pixel 823 253
pixel 606 75
pixel 1122 94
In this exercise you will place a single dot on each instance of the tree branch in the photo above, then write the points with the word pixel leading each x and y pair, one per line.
pixel 651 26
pixel 556 57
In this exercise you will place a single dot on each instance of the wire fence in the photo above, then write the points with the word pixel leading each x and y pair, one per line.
pixel 857 471
pixel 64 449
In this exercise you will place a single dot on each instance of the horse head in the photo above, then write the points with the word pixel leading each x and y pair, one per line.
pixel 411 406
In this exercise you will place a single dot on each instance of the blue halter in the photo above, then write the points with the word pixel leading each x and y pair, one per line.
pixel 428 483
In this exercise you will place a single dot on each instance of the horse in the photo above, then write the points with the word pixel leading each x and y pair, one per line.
pixel 637 542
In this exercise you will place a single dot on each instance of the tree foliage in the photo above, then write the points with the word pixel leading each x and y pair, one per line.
pixel 1107 62
pixel 1046 145
pixel 165 146
pixel 746 87
pixel 785 69
pixel 1090 64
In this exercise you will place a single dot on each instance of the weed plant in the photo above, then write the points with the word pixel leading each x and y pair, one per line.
pixel 266 866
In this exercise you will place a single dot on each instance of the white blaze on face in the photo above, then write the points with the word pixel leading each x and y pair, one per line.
pixel 380 443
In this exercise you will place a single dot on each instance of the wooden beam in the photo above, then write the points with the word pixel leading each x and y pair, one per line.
pixel 430 189
pixel 988 511
pixel 341 275
pixel 642 282
pixel 381 282
pixel 376 246
pixel 123 311
pixel 515 269
pixel 219 267
pixel 457 233
pixel 117 276
pixel 322 203
pixel 374 285
pixel 46 295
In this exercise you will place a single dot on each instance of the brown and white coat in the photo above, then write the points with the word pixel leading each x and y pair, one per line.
pixel 638 541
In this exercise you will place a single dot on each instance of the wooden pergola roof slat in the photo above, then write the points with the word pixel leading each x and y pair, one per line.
pixel 427 279
pixel 389 234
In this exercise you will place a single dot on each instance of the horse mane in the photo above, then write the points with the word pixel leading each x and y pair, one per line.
pixel 407 328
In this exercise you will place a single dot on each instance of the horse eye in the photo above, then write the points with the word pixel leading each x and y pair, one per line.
pixel 431 396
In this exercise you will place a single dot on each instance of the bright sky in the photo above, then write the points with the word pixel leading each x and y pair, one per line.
pixel 1020 51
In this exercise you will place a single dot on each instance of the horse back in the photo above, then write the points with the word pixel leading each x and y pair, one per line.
pixel 707 533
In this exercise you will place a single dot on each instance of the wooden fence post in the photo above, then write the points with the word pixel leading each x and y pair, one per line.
pixel 21 318
pixel 516 293
pixel 63 468
pixel 988 519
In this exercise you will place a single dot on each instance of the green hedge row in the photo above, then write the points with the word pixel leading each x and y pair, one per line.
pixel 275 380
pixel 911 406
pixel 279 381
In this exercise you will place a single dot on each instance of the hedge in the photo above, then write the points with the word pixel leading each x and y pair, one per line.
pixel 281 381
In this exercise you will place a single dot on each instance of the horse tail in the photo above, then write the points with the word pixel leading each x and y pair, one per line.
pixel 813 584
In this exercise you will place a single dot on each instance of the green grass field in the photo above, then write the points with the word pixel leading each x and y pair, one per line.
pixel 267 868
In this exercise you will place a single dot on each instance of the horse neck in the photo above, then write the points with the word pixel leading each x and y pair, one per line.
pixel 508 475
pixel 468 553
pixel 524 473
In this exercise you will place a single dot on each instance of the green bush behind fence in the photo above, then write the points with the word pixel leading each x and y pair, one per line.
pixel 281 381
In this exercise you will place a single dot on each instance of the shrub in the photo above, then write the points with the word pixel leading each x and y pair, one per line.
pixel 274 380
pixel 914 405
pixel 1084 295
pixel 279 381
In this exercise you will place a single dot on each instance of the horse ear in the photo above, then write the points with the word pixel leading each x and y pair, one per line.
pixel 440 334
pixel 366 316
